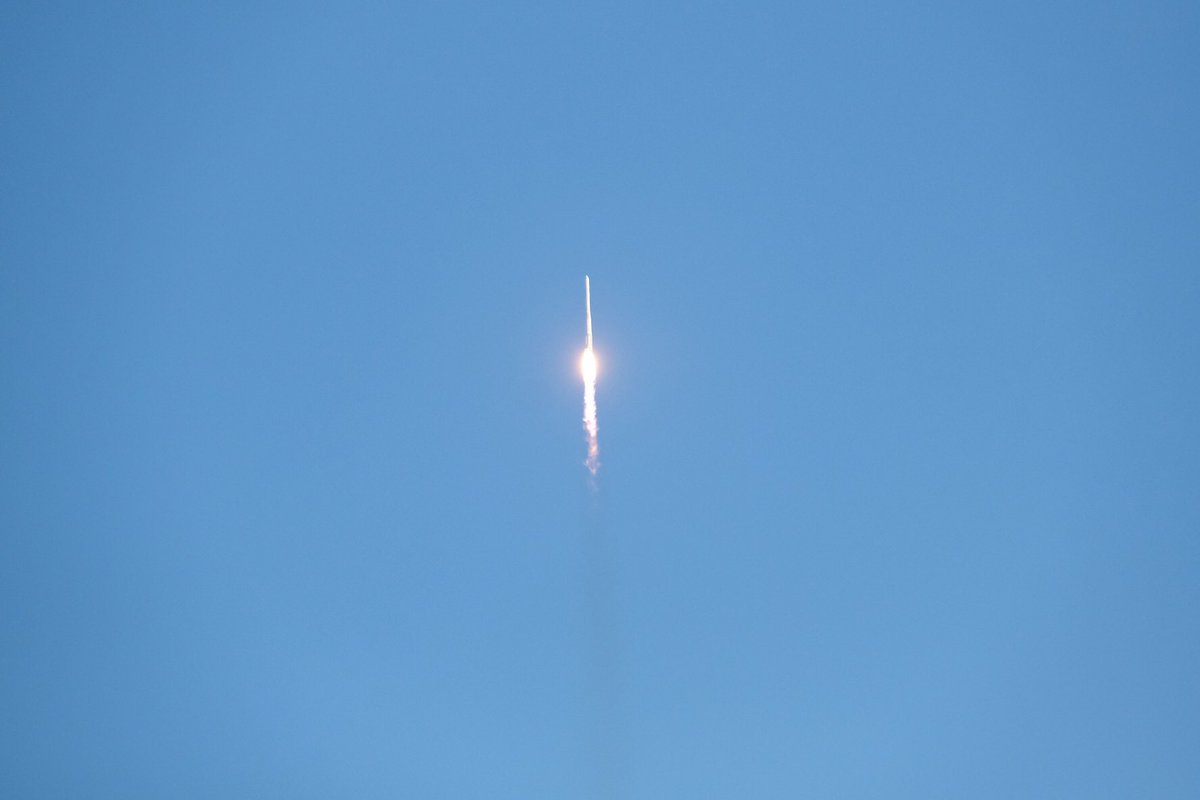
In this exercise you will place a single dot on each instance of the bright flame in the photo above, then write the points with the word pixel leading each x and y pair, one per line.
pixel 587 365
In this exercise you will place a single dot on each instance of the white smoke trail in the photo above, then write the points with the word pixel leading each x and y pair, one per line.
pixel 587 365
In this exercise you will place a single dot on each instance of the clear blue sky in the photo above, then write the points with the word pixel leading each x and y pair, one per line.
pixel 898 313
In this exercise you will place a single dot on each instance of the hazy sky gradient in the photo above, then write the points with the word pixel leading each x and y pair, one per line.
pixel 898 318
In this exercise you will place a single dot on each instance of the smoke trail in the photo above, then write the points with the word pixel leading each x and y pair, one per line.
pixel 588 366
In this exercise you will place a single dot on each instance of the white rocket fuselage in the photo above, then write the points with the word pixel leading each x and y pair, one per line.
pixel 587 293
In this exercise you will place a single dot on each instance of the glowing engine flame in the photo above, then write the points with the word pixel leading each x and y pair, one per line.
pixel 587 365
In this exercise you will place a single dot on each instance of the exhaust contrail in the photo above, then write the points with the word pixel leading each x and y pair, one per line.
pixel 587 365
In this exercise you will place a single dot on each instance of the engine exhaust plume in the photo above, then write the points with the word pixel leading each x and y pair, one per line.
pixel 587 365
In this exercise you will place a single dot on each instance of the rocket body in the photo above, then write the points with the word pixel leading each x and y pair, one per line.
pixel 587 294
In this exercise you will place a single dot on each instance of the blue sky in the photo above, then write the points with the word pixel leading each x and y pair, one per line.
pixel 896 310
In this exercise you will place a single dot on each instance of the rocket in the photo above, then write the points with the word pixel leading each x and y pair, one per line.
pixel 587 295
pixel 587 370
